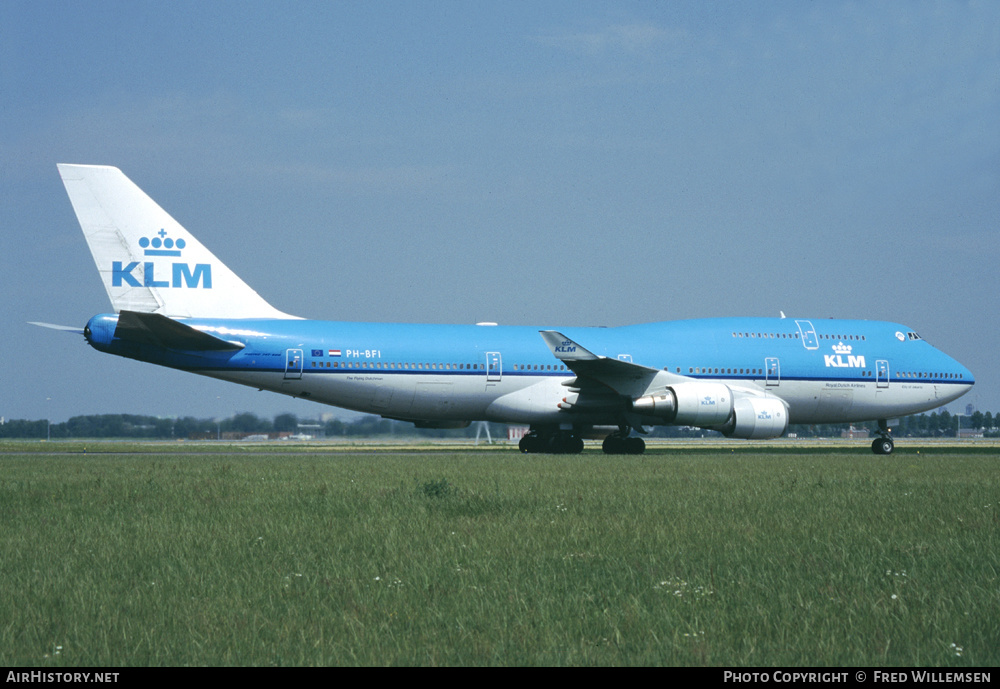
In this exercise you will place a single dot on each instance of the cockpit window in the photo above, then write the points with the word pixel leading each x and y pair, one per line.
pixel 913 336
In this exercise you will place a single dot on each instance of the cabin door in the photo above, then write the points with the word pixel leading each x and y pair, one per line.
pixel 494 369
pixel 772 371
pixel 808 334
pixel 293 364
pixel 881 373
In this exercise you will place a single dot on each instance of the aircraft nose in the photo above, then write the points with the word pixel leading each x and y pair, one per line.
pixel 964 374
pixel 964 383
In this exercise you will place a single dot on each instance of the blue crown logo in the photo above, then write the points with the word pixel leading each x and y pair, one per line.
pixel 162 245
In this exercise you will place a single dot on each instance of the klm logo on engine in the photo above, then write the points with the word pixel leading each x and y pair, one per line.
pixel 842 357
pixel 178 275
pixel 708 401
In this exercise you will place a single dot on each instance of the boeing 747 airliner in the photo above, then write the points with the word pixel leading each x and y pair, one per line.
pixel 177 305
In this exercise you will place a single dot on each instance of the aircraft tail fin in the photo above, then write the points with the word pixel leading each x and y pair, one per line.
pixel 149 263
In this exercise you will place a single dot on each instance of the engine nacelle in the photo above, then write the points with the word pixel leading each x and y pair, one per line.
pixel 689 404
pixel 756 418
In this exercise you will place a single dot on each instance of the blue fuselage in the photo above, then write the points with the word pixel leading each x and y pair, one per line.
pixel 824 370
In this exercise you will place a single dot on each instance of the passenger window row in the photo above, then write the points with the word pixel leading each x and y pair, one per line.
pixel 398 366
pixel 795 336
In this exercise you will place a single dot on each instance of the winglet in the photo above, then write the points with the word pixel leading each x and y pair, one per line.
pixel 566 349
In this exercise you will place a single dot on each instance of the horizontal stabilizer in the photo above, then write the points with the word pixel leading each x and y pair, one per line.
pixel 154 329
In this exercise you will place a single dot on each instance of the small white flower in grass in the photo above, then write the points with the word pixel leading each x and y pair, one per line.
pixel 894 596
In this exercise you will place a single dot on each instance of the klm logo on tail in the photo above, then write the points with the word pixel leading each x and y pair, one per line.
pixel 181 274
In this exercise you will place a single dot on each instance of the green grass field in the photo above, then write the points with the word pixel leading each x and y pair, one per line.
pixel 220 556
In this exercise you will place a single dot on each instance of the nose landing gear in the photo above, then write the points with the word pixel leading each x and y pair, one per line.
pixel 883 445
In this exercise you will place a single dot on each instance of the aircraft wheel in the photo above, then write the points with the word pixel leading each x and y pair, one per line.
pixel 616 445
pixel 635 446
pixel 566 443
pixel 531 444
pixel 882 446
pixel 556 443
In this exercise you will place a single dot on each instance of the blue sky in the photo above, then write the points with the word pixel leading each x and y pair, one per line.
pixel 551 164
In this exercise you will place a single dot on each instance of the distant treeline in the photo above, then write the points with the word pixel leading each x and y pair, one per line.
pixel 241 425
pixel 933 425
pixel 238 426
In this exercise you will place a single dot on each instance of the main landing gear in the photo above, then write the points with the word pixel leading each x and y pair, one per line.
pixel 619 443
pixel 564 442
pixel 552 442
pixel 883 445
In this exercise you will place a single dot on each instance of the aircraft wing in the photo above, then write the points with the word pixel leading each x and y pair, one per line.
pixel 624 377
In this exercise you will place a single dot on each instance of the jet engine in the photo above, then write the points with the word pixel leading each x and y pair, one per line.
pixel 689 404
pixel 756 418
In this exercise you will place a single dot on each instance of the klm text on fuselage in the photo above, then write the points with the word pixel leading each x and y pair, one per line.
pixel 837 361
